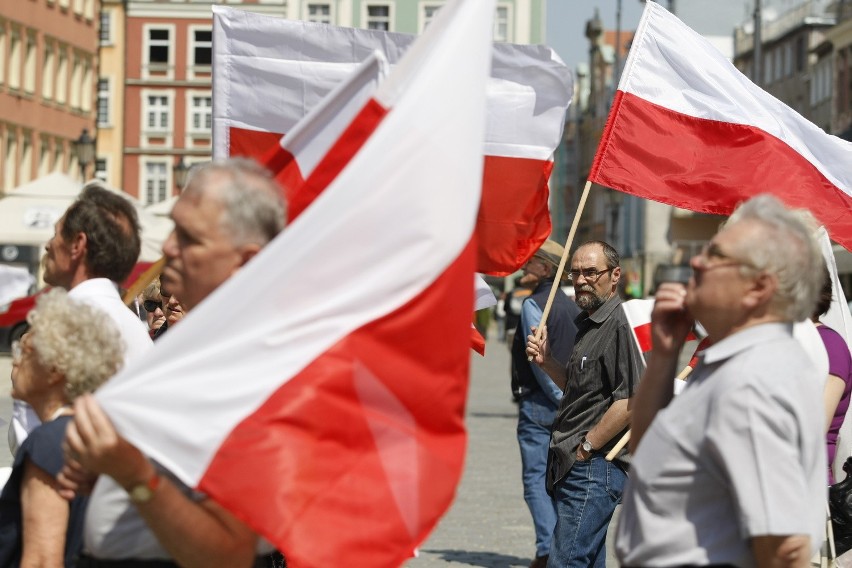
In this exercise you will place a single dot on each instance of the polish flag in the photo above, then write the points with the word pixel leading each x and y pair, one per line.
pixel 688 129
pixel 328 412
pixel 269 72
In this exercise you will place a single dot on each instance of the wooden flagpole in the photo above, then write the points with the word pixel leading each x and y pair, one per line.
pixel 564 259
pixel 144 279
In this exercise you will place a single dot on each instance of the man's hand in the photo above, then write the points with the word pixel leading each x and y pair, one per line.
pixel 670 320
pixel 74 479
pixel 92 444
pixel 538 349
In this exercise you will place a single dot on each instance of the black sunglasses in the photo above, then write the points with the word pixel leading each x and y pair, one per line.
pixel 152 305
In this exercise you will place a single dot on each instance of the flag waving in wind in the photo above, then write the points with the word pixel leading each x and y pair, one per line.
pixel 269 72
pixel 329 417
pixel 688 129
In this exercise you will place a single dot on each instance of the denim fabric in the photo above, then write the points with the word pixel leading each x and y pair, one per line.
pixel 536 413
pixel 585 501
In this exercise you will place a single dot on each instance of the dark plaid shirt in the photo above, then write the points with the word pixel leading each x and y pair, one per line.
pixel 605 366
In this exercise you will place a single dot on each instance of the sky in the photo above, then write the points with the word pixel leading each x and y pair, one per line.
pixel 566 19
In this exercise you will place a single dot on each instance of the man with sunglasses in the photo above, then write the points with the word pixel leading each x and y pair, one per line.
pixel 732 471
pixel 601 377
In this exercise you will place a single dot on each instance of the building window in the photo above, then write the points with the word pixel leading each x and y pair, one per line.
pixel 11 164
pixel 47 76
pixel 319 12
pixel 15 59
pixel 103 102
pixel 105 31
pixel 203 50
pixel 501 24
pixel 378 17
pixel 86 86
pixel 429 12
pixel 58 155
pixel 101 169
pixel 44 157
pixel 157 113
pixel 158 46
pixel 76 82
pixel 202 114
pixel 26 157
pixel 2 52
pixel 30 64
pixel 801 54
pixel 155 182
pixel 62 76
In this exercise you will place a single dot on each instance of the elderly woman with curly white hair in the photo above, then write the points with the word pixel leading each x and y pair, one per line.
pixel 71 349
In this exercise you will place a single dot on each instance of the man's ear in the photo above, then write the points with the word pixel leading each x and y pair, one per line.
pixel 761 290
pixel 247 252
pixel 79 245
pixel 616 274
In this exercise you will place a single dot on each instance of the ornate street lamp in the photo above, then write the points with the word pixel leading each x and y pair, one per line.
pixel 84 147
pixel 180 171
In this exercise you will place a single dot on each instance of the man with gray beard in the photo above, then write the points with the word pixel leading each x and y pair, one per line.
pixel 599 382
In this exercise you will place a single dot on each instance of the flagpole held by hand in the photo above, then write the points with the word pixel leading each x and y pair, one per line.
pixel 564 259
pixel 626 438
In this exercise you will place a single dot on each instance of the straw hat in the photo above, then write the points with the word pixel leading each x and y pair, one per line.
pixel 550 252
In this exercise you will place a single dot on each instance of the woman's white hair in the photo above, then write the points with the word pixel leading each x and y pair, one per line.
pixel 787 249
pixel 76 340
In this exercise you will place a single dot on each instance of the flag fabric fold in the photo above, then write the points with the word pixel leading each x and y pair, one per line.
pixel 292 65
pixel 329 414
pixel 688 129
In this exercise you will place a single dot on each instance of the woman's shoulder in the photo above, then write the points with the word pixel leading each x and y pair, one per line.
pixel 43 446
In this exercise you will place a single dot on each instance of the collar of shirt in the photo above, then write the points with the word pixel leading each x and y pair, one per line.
pixel 743 340
pixel 94 287
pixel 603 312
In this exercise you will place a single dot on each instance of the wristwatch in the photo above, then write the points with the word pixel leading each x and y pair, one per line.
pixel 143 492
pixel 587 446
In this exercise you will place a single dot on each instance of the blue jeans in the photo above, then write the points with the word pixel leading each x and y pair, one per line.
pixel 536 414
pixel 585 501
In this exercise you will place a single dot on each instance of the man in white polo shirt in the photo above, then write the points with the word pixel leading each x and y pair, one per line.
pixel 95 246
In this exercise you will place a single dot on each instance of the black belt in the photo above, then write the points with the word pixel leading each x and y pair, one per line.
pixel 274 560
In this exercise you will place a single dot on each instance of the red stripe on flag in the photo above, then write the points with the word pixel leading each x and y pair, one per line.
pixel 356 457
pixel 477 342
pixel 643 337
pixel 513 220
pixel 710 166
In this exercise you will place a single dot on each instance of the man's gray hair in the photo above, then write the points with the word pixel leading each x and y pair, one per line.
pixel 787 249
pixel 254 210
pixel 75 339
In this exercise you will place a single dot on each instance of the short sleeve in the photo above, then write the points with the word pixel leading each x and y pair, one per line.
pixel 839 358
pixel 753 438
pixel 628 365
pixel 43 447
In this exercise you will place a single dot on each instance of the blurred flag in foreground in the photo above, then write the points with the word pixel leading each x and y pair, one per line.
pixel 329 414
pixel 269 72
pixel 688 129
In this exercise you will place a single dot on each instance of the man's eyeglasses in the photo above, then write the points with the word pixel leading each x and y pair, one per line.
pixel 590 274
pixel 711 251
pixel 152 305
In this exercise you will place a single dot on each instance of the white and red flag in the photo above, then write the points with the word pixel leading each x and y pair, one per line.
pixel 269 72
pixel 319 394
pixel 688 129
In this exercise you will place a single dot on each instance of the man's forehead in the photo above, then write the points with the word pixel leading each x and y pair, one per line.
pixel 588 256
